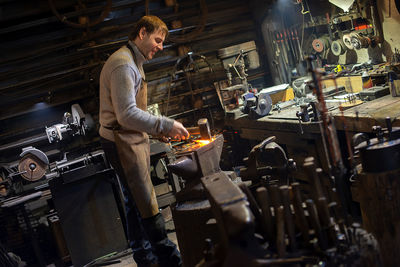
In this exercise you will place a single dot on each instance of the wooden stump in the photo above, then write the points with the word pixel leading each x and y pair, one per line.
pixel 379 196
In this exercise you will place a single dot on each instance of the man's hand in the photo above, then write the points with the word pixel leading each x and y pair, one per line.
pixel 178 131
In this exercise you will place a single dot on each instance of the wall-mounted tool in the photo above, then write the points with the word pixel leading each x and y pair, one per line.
pixel 358 41
pixel 347 41
pixel 321 44
pixel 338 47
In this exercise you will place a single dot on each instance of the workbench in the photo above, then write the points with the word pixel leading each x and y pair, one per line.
pixel 308 142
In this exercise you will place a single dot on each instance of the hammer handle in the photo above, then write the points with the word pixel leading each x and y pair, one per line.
pixel 299 212
pixel 289 224
pixel 264 202
pixel 280 232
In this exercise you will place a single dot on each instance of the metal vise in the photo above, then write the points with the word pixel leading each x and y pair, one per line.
pixel 267 158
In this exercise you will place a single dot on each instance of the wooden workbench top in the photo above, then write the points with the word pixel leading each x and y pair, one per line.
pixel 360 118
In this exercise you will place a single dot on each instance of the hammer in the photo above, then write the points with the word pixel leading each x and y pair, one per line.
pixel 202 128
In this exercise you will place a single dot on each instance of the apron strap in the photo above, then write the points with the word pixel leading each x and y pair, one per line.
pixel 133 55
pixel 132 52
pixel 117 126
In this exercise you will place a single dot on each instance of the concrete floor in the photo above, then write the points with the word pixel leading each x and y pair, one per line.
pixel 127 261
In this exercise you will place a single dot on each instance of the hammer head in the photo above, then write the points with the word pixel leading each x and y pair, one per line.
pixel 204 128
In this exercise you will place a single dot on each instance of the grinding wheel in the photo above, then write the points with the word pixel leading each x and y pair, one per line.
pixel 318 45
pixel 347 41
pixel 321 44
pixel 264 105
pixel 31 167
pixel 338 48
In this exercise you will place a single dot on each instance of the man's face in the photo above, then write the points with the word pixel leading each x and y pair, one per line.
pixel 151 43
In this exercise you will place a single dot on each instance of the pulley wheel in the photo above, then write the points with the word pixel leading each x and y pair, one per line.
pixel 31 167
pixel 338 48
pixel 347 41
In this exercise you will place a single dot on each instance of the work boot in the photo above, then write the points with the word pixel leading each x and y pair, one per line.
pixel 166 251
pixel 143 254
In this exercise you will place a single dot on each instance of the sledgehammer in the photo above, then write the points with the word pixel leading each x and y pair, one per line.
pixel 202 129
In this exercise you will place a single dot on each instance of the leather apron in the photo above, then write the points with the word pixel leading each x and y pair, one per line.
pixel 134 154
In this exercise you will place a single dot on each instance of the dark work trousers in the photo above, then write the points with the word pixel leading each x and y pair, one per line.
pixel 137 237
pixel 147 237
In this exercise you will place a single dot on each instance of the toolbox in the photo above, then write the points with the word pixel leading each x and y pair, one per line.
pixel 374 92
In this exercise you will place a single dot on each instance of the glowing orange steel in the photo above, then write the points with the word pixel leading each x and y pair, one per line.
pixel 202 142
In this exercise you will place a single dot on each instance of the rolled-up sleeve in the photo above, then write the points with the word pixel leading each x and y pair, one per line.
pixel 123 96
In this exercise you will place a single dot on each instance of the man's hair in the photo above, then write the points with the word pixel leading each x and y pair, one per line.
pixel 151 23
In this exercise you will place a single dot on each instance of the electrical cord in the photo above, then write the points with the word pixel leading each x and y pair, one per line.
pixel 185 70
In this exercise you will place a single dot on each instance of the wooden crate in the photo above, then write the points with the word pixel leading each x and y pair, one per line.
pixel 352 84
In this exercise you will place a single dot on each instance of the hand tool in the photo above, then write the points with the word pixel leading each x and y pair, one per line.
pixel 309 167
pixel 289 47
pixel 275 197
pixel 313 216
pixel 284 192
pixel 280 232
pixel 299 213
pixel 265 203
pixel 298 45
pixel 325 219
pixel 295 48
pixel 255 209
pixel 202 129
pixel 279 39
